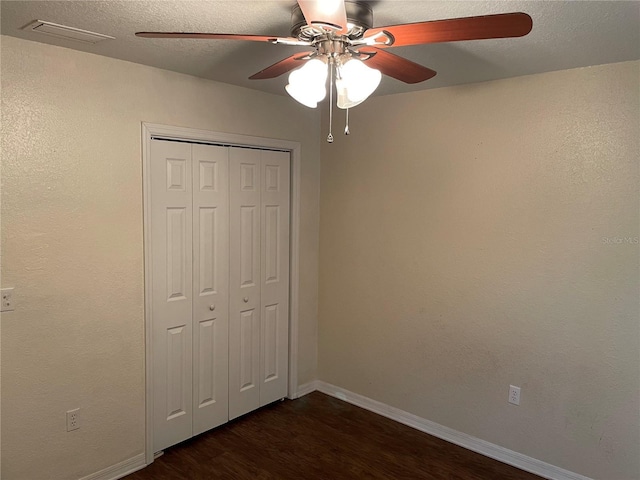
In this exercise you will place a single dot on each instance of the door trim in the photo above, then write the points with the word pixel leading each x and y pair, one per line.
pixel 150 130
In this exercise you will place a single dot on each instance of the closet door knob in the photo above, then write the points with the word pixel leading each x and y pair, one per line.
pixel 212 307
pixel 245 299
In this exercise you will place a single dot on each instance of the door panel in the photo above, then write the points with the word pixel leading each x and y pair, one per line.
pixel 171 250
pixel 244 281
pixel 209 226
pixel 249 242
pixel 176 253
pixel 206 390
pixel 248 341
pixel 274 284
pixel 210 286
pixel 270 342
pixel 177 353
pixel 272 243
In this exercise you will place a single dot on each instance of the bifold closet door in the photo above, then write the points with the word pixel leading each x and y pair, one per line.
pixel 244 281
pixel 171 253
pixel 210 287
pixel 259 278
pixel 189 265
pixel 274 283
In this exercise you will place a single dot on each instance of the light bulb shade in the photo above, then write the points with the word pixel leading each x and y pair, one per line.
pixel 306 95
pixel 343 97
pixel 307 84
pixel 356 83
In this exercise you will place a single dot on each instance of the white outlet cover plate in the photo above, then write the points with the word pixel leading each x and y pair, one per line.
pixel 514 395
pixel 73 419
pixel 8 300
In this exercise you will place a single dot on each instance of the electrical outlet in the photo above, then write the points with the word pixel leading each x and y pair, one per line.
pixel 7 300
pixel 73 419
pixel 514 395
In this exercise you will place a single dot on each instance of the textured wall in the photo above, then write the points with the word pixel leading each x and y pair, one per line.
pixel 73 246
pixel 477 236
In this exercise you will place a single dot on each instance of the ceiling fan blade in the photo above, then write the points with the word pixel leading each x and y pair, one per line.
pixel 503 25
pixel 283 66
pixel 325 13
pixel 222 36
pixel 397 67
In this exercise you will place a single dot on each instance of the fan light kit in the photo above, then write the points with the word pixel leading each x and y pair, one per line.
pixel 349 53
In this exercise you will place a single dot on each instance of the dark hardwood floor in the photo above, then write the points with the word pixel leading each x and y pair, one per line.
pixel 320 437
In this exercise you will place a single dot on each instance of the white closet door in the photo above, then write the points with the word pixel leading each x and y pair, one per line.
pixel 274 288
pixel 171 253
pixel 244 281
pixel 210 286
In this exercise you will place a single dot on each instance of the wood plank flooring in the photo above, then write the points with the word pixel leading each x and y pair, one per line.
pixel 320 437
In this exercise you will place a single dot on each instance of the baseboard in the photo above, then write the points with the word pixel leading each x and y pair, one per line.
pixel 119 470
pixel 306 388
pixel 474 444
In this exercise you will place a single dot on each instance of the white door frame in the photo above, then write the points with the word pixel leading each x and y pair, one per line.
pixel 189 134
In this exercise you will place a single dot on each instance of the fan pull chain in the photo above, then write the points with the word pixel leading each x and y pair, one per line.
pixel 330 136
pixel 346 126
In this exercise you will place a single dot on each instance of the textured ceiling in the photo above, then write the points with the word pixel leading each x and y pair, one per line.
pixel 566 34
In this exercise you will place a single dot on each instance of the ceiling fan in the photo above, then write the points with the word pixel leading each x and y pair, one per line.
pixel 345 47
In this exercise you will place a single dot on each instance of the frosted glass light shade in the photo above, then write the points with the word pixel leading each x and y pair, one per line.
pixel 307 84
pixel 309 97
pixel 343 100
pixel 355 83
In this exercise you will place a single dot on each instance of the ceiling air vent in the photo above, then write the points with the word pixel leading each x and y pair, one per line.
pixel 70 33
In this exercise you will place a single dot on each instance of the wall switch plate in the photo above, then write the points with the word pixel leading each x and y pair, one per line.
pixel 73 420
pixel 7 300
pixel 514 395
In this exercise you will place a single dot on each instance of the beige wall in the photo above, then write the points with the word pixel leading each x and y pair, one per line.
pixel 73 245
pixel 469 240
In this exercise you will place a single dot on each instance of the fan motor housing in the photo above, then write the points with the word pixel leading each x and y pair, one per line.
pixel 359 16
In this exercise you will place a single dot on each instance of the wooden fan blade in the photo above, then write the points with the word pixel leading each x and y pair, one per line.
pixel 397 67
pixel 219 36
pixel 325 13
pixel 503 25
pixel 283 66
